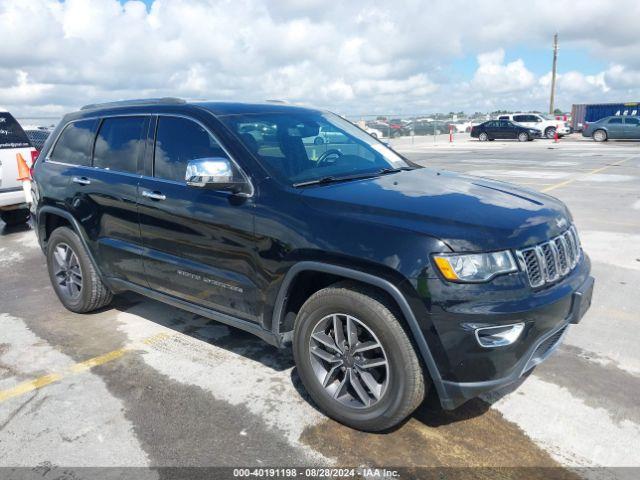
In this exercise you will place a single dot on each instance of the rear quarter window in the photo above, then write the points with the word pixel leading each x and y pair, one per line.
pixel 74 144
pixel 11 133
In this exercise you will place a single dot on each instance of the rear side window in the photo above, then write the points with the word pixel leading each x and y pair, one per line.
pixel 615 120
pixel 11 133
pixel 74 144
pixel 179 140
pixel 120 143
pixel 522 118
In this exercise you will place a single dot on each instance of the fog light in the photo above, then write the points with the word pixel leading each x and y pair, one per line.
pixel 498 336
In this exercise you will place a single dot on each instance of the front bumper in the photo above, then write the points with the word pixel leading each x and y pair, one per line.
pixel 456 393
pixel 450 314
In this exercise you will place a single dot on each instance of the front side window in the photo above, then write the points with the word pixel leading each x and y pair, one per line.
pixel 179 140
pixel 120 143
pixel 632 121
pixel 11 133
pixel 74 144
pixel 614 121
pixel 303 146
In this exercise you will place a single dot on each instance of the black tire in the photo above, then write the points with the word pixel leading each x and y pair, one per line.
pixel 405 389
pixel 483 136
pixel 15 217
pixel 523 137
pixel 600 136
pixel 93 294
pixel 550 132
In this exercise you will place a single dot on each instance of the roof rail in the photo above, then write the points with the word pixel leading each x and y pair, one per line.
pixel 140 101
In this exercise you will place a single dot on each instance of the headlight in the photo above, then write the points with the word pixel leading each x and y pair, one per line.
pixel 474 267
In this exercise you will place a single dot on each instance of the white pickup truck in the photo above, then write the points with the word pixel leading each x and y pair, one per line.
pixel 547 125
pixel 14 193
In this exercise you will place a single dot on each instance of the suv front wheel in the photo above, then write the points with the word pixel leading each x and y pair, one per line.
pixel 355 358
pixel 73 276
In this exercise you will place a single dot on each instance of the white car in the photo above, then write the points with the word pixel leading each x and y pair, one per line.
pixel 546 124
pixel 15 194
pixel 375 133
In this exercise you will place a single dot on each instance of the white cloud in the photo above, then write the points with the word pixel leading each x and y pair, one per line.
pixel 353 57
pixel 495 76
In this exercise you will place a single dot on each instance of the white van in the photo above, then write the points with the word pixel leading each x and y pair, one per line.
pixel 547 125
pixel 15 194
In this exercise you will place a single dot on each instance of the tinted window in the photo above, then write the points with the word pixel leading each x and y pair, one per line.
pixel 119 144
pixel 179 140
pixel 615 120
pixel 522 118
pixel 504 124
pixel 503 118
pixel 11 134
pixel 74 144
pixel 632 121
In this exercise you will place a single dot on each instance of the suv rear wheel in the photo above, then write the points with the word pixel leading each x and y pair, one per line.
pixel 550 132
pixel 72 274
pixel 355 359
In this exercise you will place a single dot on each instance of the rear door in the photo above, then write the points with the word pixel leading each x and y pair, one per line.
pixel 615 128
pixel 632 127
pixel 199 243
pixel 103 195
pixel 13 142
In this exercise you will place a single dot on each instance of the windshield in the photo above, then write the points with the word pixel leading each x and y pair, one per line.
pixel 301 147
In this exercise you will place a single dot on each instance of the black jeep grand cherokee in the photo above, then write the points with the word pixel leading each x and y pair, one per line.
pixel 385 278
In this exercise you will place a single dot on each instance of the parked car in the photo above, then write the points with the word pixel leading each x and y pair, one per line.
pixel 547 125
pixel 374 132
pixel 614 128
pixel 431 127
pixel 14 145
pixel 504 129
pixel 385 278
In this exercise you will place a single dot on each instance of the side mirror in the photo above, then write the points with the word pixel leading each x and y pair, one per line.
pixel 214 172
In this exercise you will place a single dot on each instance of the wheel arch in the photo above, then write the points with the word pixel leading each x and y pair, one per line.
pixel 49 218
pixel 344 273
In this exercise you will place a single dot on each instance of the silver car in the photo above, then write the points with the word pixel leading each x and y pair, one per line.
pixel 614 128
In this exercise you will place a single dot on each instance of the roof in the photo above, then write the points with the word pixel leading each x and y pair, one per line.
pixel 237 108
pixel 217 108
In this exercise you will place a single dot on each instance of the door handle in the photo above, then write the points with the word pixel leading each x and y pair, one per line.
pixel 153 195
pixel 81 180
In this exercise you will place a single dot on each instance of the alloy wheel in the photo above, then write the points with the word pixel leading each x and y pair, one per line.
pixel 349 361
pixel 67 271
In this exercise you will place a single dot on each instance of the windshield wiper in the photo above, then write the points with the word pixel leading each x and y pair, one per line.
pixel 332 179
pixel 386 171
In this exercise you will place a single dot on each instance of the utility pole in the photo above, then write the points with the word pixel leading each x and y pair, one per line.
pixel 553 72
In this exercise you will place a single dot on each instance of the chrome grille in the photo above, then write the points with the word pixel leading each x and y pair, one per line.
pixel 549 261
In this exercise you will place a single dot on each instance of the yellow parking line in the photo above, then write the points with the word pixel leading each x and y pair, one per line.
pixel 590 172
pixel 75 369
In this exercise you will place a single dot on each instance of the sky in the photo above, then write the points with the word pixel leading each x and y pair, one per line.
pixel 353 57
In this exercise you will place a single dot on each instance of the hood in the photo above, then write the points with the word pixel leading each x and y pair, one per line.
pixel 468 213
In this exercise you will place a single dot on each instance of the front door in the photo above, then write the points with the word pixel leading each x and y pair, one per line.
pixel 198 243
